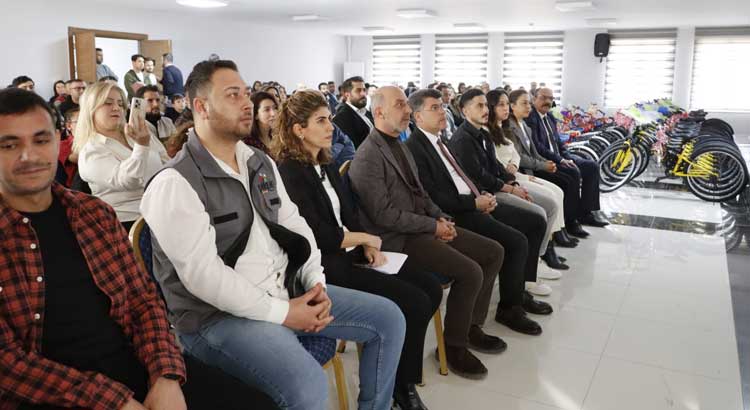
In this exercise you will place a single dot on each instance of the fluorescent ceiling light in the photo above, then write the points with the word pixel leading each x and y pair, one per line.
pixel 468 26
pixel 202 4
pixel 377 29
pixel 415 13
pixel 607 22
pixel 566 6
pixel 306 17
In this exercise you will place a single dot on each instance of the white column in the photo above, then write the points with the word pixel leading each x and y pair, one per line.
pixel 683 66
pixel 428 59
pixel 495 59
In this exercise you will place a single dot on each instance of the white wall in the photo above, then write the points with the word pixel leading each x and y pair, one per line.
pixel 583 74
pixel 34 33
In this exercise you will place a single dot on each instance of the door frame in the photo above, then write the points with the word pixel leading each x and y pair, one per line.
pixel 97 33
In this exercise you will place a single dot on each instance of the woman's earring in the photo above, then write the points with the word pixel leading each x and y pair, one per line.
pixel 301 137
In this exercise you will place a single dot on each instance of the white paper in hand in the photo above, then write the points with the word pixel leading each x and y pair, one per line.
pixel 393 264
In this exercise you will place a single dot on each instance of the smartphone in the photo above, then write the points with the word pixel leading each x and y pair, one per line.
pixel 137 111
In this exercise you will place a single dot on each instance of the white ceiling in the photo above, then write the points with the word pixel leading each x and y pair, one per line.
pixel 349 16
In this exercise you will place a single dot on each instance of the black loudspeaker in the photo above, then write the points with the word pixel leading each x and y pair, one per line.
pixel 601 45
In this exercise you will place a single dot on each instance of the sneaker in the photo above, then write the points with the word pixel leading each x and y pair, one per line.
pixel 545 272
pixel 538 289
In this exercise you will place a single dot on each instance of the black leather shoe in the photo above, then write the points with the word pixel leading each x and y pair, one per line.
pixel 568 237
pixel 536 307
pixel 560 240
pixel 482 342
pixel 594 220
pixel 552 260
pixel 515 318
pixel 407 398
pixel 463 363
pixel 577 231
pixel 562 258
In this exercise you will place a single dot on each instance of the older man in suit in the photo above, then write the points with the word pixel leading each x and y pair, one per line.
pixel 547 141
pixel 352 117
pixel 397 208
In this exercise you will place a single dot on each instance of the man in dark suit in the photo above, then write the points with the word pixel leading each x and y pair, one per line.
pixel 449 186
pixel 396 207
pixel 352 116
pixel 547 141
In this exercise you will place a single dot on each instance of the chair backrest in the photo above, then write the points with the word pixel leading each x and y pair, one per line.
pixel 320 347
pixel 344 168
pixel 140 237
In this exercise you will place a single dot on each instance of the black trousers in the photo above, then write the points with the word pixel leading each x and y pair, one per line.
pixel 533 227
pixel 417 294
pixel 512 274
pixel 589 176
pixel 570 185
pixel 207 388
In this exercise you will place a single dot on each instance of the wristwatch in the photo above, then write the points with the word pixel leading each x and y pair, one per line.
pixel 171 376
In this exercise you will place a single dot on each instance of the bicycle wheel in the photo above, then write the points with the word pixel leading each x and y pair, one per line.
pixel 724 174
pixel 617 166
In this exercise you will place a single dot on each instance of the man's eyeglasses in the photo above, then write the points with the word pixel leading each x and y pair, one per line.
pixel 435 107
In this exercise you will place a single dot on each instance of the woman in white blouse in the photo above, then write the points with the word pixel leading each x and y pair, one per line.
pixel 507 155
pixel 115 158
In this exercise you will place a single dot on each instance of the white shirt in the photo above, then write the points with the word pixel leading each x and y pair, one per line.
pixel 164 130
pixel 331 192
pixel 461 186
pixel 254 289
pixel 152 78
pixel 117 174
pixel 362 114
pixel 507 154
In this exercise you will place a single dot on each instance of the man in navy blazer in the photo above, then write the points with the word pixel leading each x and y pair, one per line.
pixel 547 142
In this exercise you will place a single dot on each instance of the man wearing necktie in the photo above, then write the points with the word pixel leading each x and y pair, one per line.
pixel 547 142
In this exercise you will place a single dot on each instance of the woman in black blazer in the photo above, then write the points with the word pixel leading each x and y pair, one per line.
pixel 301 146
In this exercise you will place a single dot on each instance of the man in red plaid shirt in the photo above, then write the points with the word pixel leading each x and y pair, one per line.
pixel 81 326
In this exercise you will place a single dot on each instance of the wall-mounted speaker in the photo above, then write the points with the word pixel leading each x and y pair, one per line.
pixel 601 45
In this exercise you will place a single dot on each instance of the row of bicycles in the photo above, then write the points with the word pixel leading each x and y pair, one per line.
pixel 701 151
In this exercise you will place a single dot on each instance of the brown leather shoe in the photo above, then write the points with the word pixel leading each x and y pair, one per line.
pixel 463 363
pixel 482 342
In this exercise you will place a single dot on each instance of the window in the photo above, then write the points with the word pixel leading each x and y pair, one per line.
pixel 536 57
pixel 461 58
pixel 640 66
pixel 396 60
pixel 720 69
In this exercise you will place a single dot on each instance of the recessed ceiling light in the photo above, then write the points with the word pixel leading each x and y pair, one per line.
pixel 377 29
pixel 415 13
pixel 306 17
pixel 468 26
pixel 202 4
pixel 606 22
pixel 566 6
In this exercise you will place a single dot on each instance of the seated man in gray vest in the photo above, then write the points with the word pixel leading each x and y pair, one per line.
pixel 240 269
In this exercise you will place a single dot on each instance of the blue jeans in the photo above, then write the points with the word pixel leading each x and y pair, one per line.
pixel 270 357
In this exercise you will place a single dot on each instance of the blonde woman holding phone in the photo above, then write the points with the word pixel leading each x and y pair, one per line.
pixel 116 158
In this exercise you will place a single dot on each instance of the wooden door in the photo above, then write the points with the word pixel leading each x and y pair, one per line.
pixel 155 49
pixel 84 45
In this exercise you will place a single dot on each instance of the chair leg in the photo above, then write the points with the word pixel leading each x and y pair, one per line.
pixel 342 346
pixel 438 320
pixel 338 371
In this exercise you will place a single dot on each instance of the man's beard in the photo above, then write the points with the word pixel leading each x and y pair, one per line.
pixel 153 118
pixel 361 103
pixel 227 127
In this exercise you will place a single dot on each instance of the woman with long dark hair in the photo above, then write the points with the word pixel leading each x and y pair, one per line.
pixel 302 148
pixel 265 109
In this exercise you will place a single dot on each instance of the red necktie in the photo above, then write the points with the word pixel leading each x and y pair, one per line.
pixel 454 164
